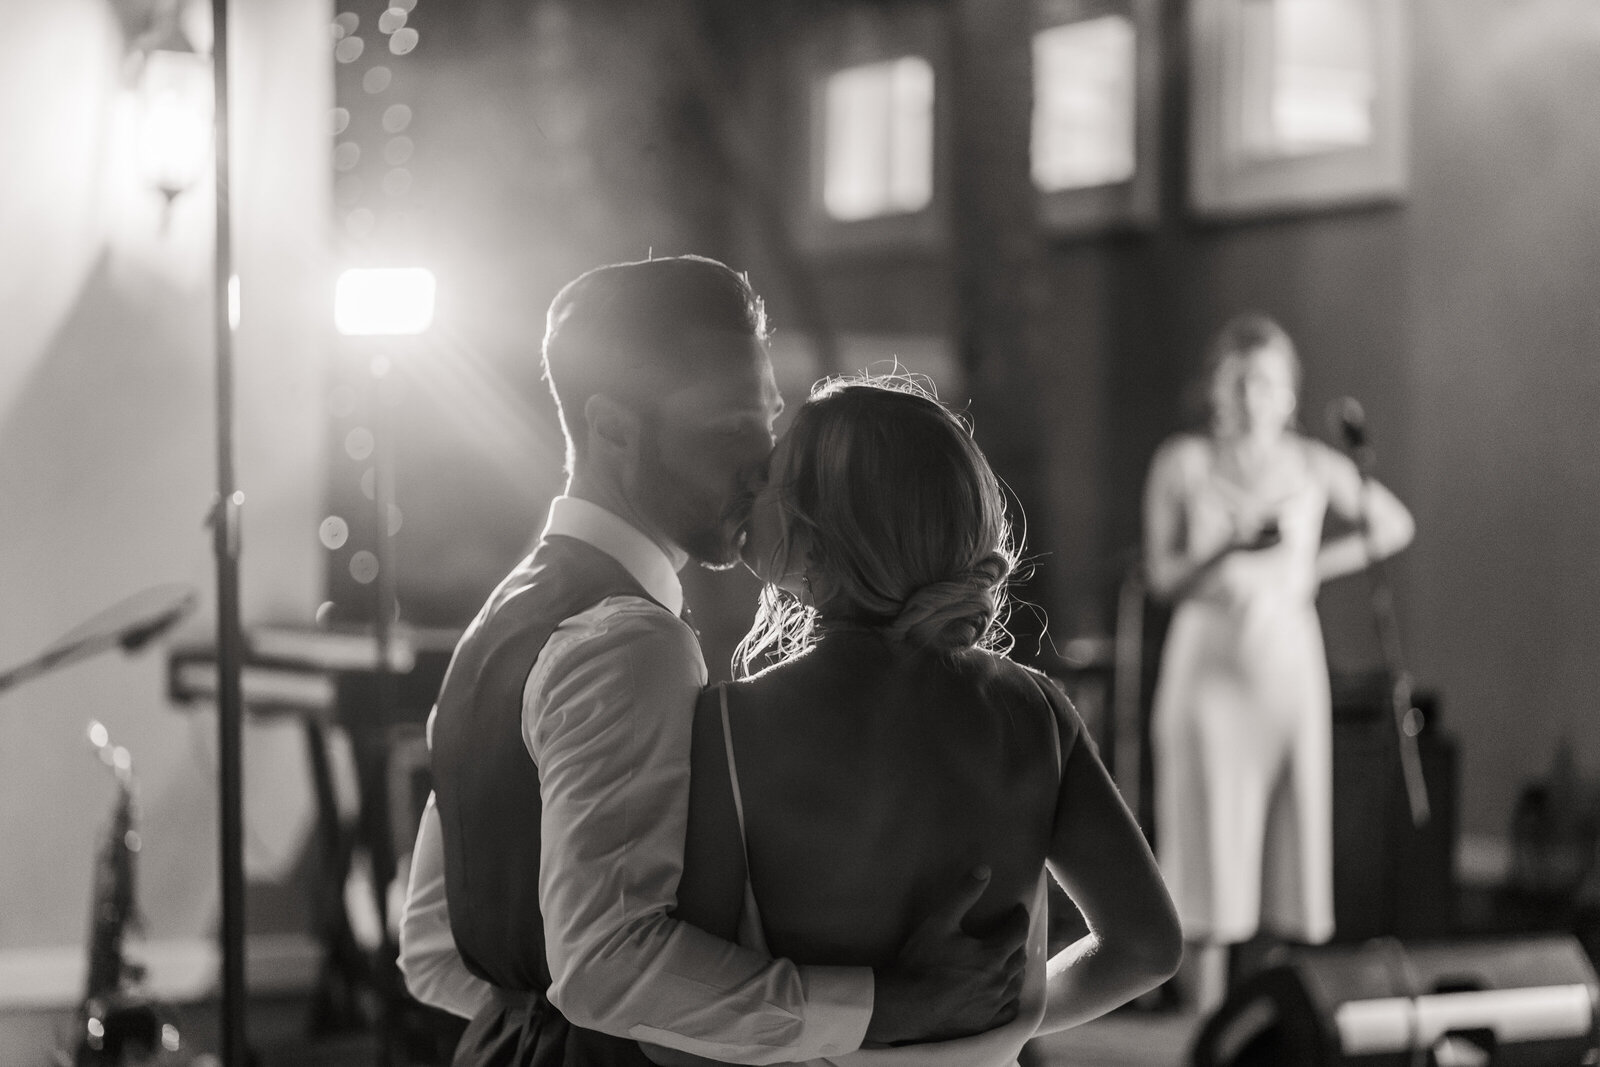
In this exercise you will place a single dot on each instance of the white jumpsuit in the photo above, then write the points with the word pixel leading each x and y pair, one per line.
pixel 1241 721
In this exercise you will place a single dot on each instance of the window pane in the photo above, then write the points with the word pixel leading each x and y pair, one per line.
pixel 911 134
pixel 1084 85
pixel 878 139
pixel 1309 75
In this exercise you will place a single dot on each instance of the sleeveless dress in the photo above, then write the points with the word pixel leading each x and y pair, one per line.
pixel 992 1048
pixel 1241 723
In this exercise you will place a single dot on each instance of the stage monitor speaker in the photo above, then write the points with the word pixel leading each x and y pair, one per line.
pixel 1524 1002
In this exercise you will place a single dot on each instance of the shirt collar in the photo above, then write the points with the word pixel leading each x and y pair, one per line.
pixel 649 564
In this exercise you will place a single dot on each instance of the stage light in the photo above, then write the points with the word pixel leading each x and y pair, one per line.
pixel 389 301
pixel 176 100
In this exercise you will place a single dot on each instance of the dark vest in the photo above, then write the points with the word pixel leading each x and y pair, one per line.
pixel 487 786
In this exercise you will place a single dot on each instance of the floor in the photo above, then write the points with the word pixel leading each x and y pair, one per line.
pixel 278 1039
pixel 1122 1039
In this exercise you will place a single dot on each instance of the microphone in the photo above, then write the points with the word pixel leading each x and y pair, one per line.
pixel 1347 420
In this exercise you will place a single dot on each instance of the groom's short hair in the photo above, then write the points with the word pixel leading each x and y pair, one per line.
pixel 627 330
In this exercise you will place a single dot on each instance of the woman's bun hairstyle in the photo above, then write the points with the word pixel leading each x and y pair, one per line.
pixel 957 613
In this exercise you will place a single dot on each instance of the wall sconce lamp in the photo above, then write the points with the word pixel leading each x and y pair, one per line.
pixel 175 103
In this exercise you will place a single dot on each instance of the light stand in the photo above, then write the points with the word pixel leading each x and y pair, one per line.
pixel 383 302
pixel 225 526
pixel 379 303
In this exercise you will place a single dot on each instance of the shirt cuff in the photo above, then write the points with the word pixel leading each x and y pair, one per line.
pixel 838 1008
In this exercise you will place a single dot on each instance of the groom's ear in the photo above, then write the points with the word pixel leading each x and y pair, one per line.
pixel 613 426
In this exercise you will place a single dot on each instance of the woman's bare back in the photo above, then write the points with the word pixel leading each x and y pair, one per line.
pixel 872 778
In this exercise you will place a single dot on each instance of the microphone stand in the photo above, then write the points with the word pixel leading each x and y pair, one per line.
pixel 1127 709
pixel 1407 717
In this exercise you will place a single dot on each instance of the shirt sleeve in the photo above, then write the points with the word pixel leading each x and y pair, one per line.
pixel 608 714
pixel 434 971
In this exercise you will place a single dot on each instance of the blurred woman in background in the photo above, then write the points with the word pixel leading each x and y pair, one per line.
pixel 1241 723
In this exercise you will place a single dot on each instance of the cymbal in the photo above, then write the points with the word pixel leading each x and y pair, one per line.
pixel 131 622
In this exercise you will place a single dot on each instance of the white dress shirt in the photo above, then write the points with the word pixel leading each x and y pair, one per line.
pixel 607 715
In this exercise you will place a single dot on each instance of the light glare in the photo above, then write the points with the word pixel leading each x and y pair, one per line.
pixel 387 301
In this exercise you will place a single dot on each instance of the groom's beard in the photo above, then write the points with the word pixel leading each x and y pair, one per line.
pixel 707 524
pixel 715 545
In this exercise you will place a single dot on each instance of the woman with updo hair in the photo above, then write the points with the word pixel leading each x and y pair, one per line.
pixel 887 746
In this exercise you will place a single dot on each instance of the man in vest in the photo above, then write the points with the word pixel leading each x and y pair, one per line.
pixel 561 736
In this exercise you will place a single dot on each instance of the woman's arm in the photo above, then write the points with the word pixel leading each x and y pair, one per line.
pixel 1099 855
pixel 1383 524
pixel 1170 571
